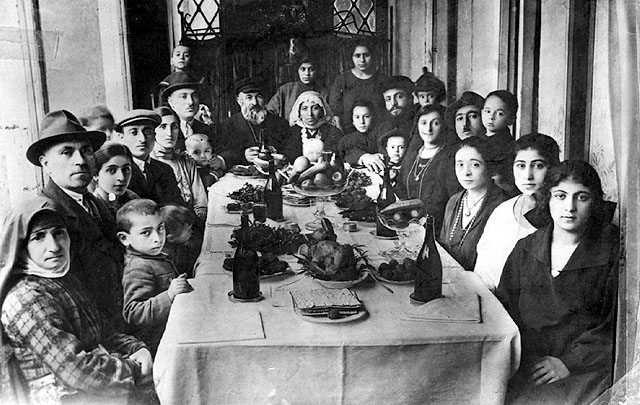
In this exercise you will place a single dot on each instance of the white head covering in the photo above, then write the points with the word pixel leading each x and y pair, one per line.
pixel 315 98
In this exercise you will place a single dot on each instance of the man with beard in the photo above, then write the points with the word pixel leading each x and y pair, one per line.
pixel 247 130
pixel 465 116
pixel 181 92
pixel 398 99
pixel 65 152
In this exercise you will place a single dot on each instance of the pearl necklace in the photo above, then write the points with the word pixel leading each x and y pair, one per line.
pixel 459 220
pixel 465 203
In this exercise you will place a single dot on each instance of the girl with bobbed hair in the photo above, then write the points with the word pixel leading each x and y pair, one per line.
pixel 559 286
pixel 534 155
pixel 113 173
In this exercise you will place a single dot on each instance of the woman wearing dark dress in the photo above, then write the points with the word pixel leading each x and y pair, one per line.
pixel 559 286
pixel 361 82
pixel 428 171
pixel 311 118
pixel 467 212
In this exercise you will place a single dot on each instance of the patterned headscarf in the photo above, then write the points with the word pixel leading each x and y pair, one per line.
pixel 315 98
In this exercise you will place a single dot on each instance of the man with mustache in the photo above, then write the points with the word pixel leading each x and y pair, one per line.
pixel 65 153
pixel 246 130
pixel 150 178
pixel 180 90
pixel 398 99
pixel 465 116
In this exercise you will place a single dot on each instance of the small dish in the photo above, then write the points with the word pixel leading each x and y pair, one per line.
pixel 342 284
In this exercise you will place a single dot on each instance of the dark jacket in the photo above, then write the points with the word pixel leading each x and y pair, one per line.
pixel 439 181
pixel 501 148
pixel 160 184
pixel 570 316
pixel 356 144
pixel 238 136
pixel 198 127
pixel 96 253
pixel 329 135
pixel 146 301
pixel 466 253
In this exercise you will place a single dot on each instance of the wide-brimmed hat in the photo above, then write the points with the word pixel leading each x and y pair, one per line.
pixel 397 82
pixel 179 80
pixel 139 115
pixel 59 126
pixel 248 85
pixel 467 98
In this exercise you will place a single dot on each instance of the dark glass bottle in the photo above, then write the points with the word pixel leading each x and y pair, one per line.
pixel 385 198
pixel 428 285
pixel 246 270
pixel 273 194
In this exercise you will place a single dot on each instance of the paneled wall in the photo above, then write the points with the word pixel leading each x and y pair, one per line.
pixel 412 33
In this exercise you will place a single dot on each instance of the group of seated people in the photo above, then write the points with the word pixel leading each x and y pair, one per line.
pixel 92 264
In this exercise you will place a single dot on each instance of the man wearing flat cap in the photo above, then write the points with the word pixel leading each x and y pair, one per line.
pixel 465 116
pixel 65 153
pixel 180 90
pixel 398 100
pixel 246 130
pixel 150 178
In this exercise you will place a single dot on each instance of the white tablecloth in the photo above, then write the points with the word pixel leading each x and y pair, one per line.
pixel 217 351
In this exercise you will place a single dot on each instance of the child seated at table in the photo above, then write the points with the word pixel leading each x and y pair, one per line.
pixel 210 167
pixel 499 111
pixel 150 280
pixel 362 140
pixel 467 212
pixel 393 144
pixel 179 245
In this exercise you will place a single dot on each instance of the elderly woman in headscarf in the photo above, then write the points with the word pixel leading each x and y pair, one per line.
pixel 311 120
pixel 57 343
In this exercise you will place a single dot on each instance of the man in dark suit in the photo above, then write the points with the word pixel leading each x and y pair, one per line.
pixel 150 178
pixel 244 132
pixel 65 152
pixel 180 90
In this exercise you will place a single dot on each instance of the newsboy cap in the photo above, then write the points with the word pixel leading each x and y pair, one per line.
pixel 60 126
pixel 467 98
pixel 397 82
pixel 139 115
pixel 248 85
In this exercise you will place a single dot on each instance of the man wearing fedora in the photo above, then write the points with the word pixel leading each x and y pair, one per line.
pixel 245 131
pixel 150 178
pixel 65 153
pixel 465 116
pixel 180 90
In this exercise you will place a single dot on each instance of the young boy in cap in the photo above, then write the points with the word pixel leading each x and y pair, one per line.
pixel 151 178
pixel 65 152
pixel 465 115
pixel 245 131
pixel 429 89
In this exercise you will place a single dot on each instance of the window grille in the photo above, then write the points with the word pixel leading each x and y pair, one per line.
pixel 200 19
pixel 356 17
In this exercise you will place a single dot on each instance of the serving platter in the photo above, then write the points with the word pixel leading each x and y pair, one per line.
pixel 342 284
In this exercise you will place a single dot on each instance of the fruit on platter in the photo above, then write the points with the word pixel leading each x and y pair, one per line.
pixel 318 176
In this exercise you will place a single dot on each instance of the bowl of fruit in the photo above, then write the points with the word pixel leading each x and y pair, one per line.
pixel 394 272
pixel 323 178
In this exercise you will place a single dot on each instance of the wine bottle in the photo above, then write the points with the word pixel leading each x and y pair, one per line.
pixel 246 270
pixel 385 198
pixel 428 284
pixel 273 194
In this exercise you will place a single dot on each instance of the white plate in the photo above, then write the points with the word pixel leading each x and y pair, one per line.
pixel 342 284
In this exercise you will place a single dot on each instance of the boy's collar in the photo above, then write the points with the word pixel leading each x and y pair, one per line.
pixel 134 252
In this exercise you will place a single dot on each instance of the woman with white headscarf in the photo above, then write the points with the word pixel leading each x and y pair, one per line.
pixel 311 120
pixel 57 347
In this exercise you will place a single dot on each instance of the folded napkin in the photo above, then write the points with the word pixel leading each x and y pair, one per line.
pixel 457 309
pixel 222 326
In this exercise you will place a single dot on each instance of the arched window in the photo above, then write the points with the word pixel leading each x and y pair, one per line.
pixel 355 17
pixel 200 19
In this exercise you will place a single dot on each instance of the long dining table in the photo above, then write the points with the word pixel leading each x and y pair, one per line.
pixel 216 351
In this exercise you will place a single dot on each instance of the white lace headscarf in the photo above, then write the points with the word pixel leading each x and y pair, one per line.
pixel 312 97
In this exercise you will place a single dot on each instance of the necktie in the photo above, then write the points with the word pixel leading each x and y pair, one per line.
pixel 145 170
pixel 187 131
pixel 91 207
